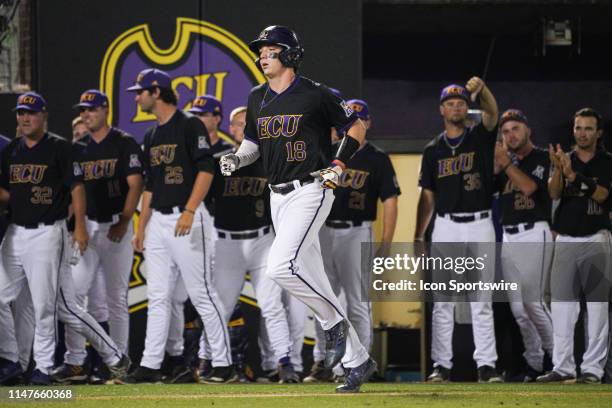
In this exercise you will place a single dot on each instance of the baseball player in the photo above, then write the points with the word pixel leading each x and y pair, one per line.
pixel 369 176
pixel 582 181
pixel 522 180
pixel 242 246
pixel 456 181
pixel 79 130
pixel 178 169
pixel 111 162
pixel 288 122
pixel 38 179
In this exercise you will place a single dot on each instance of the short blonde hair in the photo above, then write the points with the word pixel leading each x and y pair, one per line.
pixel 236 111
pixel 76 121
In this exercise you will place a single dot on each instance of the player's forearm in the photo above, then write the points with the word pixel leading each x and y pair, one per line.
pixel 521 180
pixel 247 153
pixel 589 186
pixel 4 198
pixel 79 204
pixel 349 145
pixel 490 111
pixel 555 184
pixel 135 185
pixel 199 191
pixel 425 209
pixel 145 211
pixel 389 219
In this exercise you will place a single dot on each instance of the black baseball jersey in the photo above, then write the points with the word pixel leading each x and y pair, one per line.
pixel 578 215
pixel 174 153
pixel 368 176
pixel 106 166
pixel 39 179
pixel 217 150
pixel 461 176
pixel 242 200
pixel 292 128
pixel 518 208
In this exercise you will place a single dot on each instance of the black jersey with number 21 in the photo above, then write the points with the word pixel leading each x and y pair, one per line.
pixel 292 128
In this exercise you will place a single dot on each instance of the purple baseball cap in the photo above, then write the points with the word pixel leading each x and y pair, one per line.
pixel 513 114
pixel 32 102
pixel 454 91
pixel 360 107
pixel 149 78
pixel 206 103
pixel 92 98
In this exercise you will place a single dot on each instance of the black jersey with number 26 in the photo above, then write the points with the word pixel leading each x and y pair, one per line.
pixel 106 166
pixel 292 128
pixel 39 179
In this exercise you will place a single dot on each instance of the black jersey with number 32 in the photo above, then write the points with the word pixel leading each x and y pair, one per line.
pixel 39 179
pixel 292 128
pixel 106 166
pixel 460 177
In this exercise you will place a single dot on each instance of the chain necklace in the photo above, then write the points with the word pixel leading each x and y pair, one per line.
pixel 263 100
pixel 453 148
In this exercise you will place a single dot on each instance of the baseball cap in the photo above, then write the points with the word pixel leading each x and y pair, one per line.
pixel 31 101
pixel 454 91
pixel 149 78
pixel 360 107
pixel 92 98
pixel 206 103
pixel 513 114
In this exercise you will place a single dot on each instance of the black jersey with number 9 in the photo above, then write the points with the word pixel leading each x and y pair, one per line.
pixel 292 128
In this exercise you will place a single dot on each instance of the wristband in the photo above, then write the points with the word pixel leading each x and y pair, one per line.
pixel 347 149
pixel 589 183
pixel 189 211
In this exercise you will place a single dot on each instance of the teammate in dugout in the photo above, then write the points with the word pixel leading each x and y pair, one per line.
pixel 522 179
pixel 368 177
pixel 456 182
pixel 111 162
pixel 38 179
pixel 288 122
pixel 178 168
pixel 582 180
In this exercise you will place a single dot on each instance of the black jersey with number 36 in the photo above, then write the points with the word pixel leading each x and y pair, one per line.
pixel 292 128
pixel 106 166
pixel 39 179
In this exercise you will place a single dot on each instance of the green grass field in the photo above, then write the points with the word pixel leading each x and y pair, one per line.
pixel 315 396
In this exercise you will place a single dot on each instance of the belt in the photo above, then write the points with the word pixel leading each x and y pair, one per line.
pixel 286 188
pixel 36 225
pixel 170 210
pixel 515 229
pixel 466 218
pixel 244 235
pixel 343 224
pixel 102 219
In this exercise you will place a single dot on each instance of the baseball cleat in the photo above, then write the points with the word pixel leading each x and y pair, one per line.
pixel 318 373
pixel 204 369
pixel 357 376
pixel 588 378
pixel 10 372
pixel 69 374
pixel 553 376
pixel 488 374
pixel 287 374
pixel 221 375
pixel 119 371
pixel 40 378
pixel 439 374
pixel 335 343
pixel 142 375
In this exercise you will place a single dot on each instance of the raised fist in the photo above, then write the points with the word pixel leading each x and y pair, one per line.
pixel 328 177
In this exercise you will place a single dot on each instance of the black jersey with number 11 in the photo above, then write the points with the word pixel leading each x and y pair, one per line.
pixel 292 128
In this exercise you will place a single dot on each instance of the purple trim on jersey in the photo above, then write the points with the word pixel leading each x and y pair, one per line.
pixel 275 96
pixel 346 127
pixel 251 139
pixel 291 262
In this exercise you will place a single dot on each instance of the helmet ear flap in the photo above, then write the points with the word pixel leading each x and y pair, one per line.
pixel 291 57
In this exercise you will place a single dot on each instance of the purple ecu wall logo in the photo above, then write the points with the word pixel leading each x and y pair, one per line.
pixel 203 59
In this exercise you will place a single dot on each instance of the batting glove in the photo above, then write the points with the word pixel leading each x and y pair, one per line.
pixel 229 163
pixel 329 177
